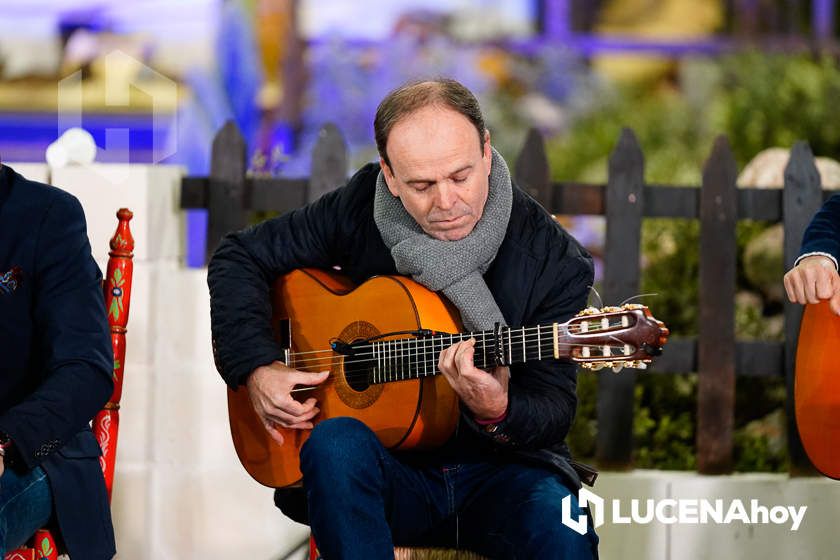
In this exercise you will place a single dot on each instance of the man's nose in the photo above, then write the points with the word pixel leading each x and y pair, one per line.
pixel 446 195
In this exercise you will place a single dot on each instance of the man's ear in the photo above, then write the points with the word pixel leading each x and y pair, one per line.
pixel 389 177
pixel 487 152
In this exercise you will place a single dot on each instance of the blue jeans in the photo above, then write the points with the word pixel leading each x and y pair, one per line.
pixel 362 501
pixel 25 506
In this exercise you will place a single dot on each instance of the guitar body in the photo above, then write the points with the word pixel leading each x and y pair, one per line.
pixel 817 388
pixel 321 307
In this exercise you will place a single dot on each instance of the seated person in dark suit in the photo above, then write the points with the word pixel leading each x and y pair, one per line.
pixel 55 372
pixel 814 275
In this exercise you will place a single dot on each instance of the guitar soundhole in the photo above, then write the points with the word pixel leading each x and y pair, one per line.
pixel 358 372
pixel 353 385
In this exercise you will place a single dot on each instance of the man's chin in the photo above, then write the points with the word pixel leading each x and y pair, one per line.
pixel 450 234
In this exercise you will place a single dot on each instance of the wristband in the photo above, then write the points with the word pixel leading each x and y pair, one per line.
pixel 5 444
pixel 491 421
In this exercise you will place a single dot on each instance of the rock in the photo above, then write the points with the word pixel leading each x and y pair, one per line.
pixel 767 170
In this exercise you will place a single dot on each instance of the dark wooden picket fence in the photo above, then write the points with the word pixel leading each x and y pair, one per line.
pixel 231 195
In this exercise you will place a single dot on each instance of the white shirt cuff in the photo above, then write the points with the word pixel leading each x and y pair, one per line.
pixel 817 254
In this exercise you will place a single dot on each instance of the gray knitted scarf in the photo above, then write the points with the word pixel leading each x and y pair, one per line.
pixel 452 267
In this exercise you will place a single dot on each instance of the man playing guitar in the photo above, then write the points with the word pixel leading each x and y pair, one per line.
pixel 440 207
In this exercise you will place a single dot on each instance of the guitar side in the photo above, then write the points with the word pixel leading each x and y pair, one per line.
pixel 817 388
pixel 320 307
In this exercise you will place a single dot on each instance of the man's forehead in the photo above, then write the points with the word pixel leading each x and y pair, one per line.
pixel 433 139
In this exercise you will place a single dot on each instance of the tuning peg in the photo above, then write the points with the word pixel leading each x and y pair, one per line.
pixel 588 311
pixel 640 365
pixel 632 306
pixel 617 368
pixel 610 309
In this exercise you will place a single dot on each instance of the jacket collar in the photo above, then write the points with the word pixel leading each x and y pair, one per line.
pixel 5 183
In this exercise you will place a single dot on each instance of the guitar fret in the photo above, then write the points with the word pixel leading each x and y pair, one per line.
pixel 386 371
pixel 410 364
pixel 539 344
pixel 436 354
pixel 423 359
pixel 426 343
pixel 400 360
pixel 524 356
pixel 391 350
pixel 484 349
pixel 409 357
pixel 420 358
pixel 510 346
pixel 378 368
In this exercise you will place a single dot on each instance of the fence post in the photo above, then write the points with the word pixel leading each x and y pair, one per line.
pixel 329 162
pixel 801 198
pixel 226 197
pixel 531 171
pixel 716 340
pixel 624 206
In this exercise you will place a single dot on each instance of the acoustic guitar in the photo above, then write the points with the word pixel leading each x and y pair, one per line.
pixel 817 388
pixel 381 342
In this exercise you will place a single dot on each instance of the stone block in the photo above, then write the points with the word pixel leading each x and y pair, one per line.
pixel 150 191
pixel 219 514
pixel 135 415
pixel 130 512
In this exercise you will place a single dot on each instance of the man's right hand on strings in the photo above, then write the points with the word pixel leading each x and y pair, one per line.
pixel 270 389
pixel 812 280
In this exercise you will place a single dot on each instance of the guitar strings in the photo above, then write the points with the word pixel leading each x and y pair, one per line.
pixel 389 349
pixel 404 351
pixel 384 355
pixel 548 330
pixel 399 371
pixel 394 375
pixel 515 335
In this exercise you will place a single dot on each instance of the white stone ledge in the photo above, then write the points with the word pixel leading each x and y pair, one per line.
pixel 816 538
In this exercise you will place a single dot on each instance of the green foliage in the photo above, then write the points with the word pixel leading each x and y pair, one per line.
pixel 664 422
pixel 670 270
pixel 775 100
pixel 670 131
pixel 758 101
pixel 664 425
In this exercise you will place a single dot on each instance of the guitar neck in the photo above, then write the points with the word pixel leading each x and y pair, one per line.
pixel 595 339
pixel 412 358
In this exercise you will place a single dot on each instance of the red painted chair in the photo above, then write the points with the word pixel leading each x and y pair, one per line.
pixel 117 292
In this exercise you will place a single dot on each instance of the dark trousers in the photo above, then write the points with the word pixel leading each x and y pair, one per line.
pixel 362 500
pixel 25 506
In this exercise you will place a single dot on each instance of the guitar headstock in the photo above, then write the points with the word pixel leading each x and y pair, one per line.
pixel 614 337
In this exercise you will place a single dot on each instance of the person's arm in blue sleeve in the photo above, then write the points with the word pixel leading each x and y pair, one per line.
pixel 814 276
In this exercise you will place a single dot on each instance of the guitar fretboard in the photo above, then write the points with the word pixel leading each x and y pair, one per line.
pixel 413 358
